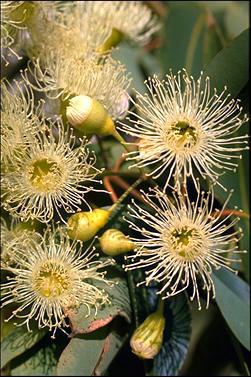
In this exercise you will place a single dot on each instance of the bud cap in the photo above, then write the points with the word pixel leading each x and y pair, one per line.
pixel 79 109
pixel 147 339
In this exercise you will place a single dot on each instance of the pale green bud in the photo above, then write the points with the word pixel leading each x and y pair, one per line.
pixel 147 339
pixel 84 225
pixel 114 242
pixel 112 41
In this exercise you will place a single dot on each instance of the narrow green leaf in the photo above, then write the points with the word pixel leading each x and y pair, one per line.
pixel 212 39
pixel 230 67
pixel 233 299
pixel 17 342
pixel 237 17
pixel 81 355
pixel 91 354
pixel 176 36
pixel 42 363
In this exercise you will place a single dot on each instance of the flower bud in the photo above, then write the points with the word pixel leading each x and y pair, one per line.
pixel 148 337
pixel 112 41
pixel 89 116
pixel 84 225
pixel 114 242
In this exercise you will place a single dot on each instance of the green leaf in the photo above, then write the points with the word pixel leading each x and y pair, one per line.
pixel 237 17
pixel 230 67
pixel 112 345
pixel 212 38
pixel 42 363
pixel 19 341
pixel 233 299
pixel 119 305
pixel 129 56
pixel 176 36
pixel 81 355
pixel 91 354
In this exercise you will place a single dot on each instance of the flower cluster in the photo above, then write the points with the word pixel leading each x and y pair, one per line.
pixel 47 167
pixel 184 130
pixel 71 94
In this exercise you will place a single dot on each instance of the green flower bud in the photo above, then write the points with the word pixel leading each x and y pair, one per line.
pixel 84 225
pixel 89 116
pixel 112 41
pixel 114 242
pixel 147 339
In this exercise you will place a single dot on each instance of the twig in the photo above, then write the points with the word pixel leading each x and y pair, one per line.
pixel 110 189
pixel 123 184
pixel 235 212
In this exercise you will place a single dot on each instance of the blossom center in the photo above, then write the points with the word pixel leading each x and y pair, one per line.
pixel 52 280
pixel 45 174
pixel 186 242
pixel 185 135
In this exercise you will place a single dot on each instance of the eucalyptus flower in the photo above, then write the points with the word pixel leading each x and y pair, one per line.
pixel 182 242
pixel 131 19
pixel 16 235
pixel 49 175
pixel 52 277
pixel 12 20
pixel 182 129
pixel 19 119
pixel 17 22
pixel 100 78
pixel 69 30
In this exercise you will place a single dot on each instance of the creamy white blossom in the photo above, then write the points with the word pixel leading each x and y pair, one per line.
pixel 132 19
pixel 182 241
pixel 18 19
pixel 70 30
pixel 16 235
pixel 181 129
pixel 12 20
pixel 49 175
pixel 19 119
pixel 51 277
pixel 101 78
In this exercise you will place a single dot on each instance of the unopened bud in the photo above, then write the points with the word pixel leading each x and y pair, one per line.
pixel 147 339
pixel 112 41
pixel 84 225
pixel 114 242
pixel 89 116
